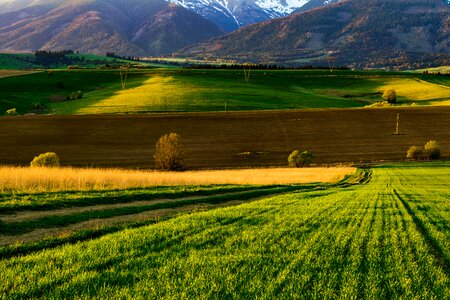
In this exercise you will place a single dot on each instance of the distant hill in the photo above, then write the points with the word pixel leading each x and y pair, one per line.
pixel 132 27
pixel 371 33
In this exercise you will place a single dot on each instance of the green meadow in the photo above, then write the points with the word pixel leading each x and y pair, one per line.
pixel 160 90
pixel 383 236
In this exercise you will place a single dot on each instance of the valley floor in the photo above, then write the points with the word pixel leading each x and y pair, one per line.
pixel 186 90
pixel 385 237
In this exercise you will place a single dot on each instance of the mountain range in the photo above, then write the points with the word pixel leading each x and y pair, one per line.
pixel 126 27
pixel 288 31
pixel 370 33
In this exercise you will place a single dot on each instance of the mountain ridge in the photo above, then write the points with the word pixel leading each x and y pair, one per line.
pixel 348 32
pixel 97 26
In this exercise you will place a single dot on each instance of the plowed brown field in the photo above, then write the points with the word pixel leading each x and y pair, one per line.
pixel 225 140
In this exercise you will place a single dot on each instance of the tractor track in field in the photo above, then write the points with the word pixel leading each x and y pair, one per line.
pixel 28 215
pixel 30 226
pixel 433 245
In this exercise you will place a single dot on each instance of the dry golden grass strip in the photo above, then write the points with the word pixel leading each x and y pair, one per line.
pixel 24 179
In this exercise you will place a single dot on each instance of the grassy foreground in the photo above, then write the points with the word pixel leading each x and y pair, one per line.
pixel 214 90
pixel 388 238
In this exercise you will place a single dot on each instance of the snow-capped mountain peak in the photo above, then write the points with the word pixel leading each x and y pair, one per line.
pixel 281 7
pixel 232 14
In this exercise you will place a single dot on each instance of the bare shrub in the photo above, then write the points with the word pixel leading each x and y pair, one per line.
pixel 170 153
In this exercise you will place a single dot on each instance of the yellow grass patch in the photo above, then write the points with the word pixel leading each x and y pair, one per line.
pixel 157 92
pixel 25 179
pixel 442 69
pixel 9 73
pixel 419 90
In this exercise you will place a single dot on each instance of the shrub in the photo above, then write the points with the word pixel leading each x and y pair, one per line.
pixel 11 112
pixel 37 105
pixel 75 95
pixel 433 150
pixel 49 159
pixel 390 95
pixel 297 159
pixel 414 152
pixel 293 159
pixel 170 153
pixel 79 95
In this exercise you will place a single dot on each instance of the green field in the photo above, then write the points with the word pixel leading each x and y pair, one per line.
pixel 387 237
pixel 214 90
pixel 16 61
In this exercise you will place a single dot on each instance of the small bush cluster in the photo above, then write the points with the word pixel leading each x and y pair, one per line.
pixel 431 150
pixel 11 112
pixel 37 106
pixel 299 159
pixel 75 96
pixel 170 153
pixel 49 159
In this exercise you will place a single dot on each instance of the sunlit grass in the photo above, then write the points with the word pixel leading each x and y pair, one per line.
pixel 385 239
pixel 442 70
pixel 417 90
pixel 21 179
pixel 157 93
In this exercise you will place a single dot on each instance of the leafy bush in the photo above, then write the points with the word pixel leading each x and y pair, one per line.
pixel 390 95
pixel 170 152
pixel 414 152
pixel 11 112
pixel 433 150
pixel 297 159
pixel 79 95
pixel 75 95
pixel 49 159
pixel 293 159
pixel 37 105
